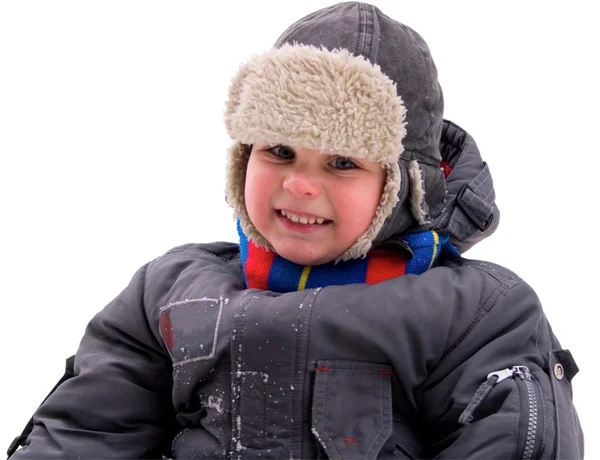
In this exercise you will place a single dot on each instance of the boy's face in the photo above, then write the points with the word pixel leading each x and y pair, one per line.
pixel 311 207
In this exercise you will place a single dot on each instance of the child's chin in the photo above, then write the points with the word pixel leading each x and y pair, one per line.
pixel 302 258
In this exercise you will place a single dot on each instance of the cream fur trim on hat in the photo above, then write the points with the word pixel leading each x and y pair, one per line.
pixel 418 205
pixel 329 101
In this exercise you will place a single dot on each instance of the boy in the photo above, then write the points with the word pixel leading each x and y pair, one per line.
pixel 344 324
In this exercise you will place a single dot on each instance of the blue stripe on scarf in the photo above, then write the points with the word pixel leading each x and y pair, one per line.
pixel 349 272
pixel 284 275
pixel 423 246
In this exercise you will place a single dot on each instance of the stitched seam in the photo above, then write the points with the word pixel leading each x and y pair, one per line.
pixel 554 388
pixel 215 338
pixel 176 438
pixel 235 380
pixel 462 157
pixel 324 435
pixel 369 29
pixel 481 393
pixel 328 437
pixel 299 368
pixel 480 179
pixel 474 186
pixel 462 149
pixel 543 414
pixel 381 411
pixel 407 444
pixel 490 270
pixel 296 443
pixel 517 420
pixel 309 322
pixel 575 431
pixel 485 204
pixel 537 336
pixel 572 410
pixel 264 414
pixel 186 301
pixel 490 303
pixel 239 354
pixel 260 439
pixel 361 30
pixel 475 189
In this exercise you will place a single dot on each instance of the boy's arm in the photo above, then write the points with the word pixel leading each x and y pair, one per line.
pixel 525 410
pixel 118 404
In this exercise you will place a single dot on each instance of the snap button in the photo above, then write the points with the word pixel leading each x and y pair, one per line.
pixel 559 371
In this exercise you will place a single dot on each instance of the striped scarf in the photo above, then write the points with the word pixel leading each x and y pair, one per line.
pixel 268 271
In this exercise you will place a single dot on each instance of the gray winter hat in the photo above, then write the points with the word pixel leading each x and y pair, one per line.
pixel 346 80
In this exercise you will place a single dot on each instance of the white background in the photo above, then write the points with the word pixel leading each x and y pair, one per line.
pixel 112 151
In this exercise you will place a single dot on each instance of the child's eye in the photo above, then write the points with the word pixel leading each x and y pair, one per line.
pixel 342 163
pixel 283 152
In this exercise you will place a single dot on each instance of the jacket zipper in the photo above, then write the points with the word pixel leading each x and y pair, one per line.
pixel 522 378
pixel 522 372
pixel 532 421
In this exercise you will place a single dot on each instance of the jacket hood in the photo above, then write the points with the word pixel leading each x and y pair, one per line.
pixel 469 213
pixel 347 80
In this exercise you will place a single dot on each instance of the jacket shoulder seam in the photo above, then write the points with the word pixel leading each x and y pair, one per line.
pixel 514 280
pixel 499 273
pixel 501 290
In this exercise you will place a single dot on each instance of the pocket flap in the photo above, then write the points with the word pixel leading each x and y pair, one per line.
pixel 352 408
pixel 183 323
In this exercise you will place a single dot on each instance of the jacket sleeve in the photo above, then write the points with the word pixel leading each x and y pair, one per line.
pixel 118 404
pixel 524 410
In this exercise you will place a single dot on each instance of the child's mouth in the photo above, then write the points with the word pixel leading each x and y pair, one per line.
pixel 301 221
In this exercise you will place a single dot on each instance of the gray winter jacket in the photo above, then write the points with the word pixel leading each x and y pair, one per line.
pixel 186 362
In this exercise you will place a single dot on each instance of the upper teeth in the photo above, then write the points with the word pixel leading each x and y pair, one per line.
pixel 302 219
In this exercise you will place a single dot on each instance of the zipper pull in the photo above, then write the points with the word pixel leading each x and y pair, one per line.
pixel 521 371
pixel 501 375
pixel 493 378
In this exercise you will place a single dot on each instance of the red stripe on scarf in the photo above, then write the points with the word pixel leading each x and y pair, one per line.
pixel 258 266
pixel 383 265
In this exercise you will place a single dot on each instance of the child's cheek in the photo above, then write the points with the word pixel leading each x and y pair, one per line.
pixel 356 205
pixel 258 192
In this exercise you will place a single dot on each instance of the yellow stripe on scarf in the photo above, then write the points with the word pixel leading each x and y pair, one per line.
pixel 304 278
pixel 436 243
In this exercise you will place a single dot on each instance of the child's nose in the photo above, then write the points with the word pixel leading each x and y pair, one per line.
pixel 301 185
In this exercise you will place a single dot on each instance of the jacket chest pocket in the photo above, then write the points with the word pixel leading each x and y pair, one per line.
pixel 352 408
pixel 189 329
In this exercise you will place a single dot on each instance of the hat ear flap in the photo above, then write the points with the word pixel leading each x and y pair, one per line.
pixel 418 205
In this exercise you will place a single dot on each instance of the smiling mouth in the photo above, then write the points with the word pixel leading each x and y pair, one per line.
pixel 305 219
